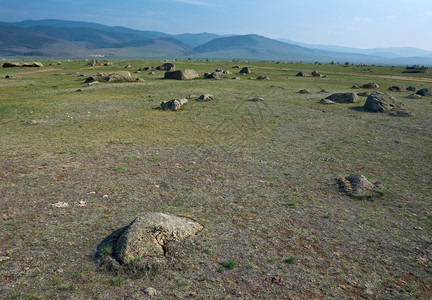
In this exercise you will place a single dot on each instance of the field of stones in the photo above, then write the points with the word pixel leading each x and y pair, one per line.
pixel 214 180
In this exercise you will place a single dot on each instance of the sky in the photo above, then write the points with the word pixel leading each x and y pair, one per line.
pixel 359 24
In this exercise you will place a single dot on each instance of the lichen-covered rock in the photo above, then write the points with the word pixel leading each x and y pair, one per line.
pixel 397 88
pixel 173 104
pixel 425 92
pixel 370 85
pixel 187 74
pixel 357 185
pixel 382 102
pixel 121 76
pixel 148 234
pixel 205 97
pixel 343 97
pixel 214 75
pixel 245 70
pixel 166 67
pixel 263 77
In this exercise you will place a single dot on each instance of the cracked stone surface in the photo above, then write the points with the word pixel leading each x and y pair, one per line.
pixel 148 234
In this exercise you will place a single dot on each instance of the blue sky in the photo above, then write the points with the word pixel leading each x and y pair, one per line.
pixel 360 24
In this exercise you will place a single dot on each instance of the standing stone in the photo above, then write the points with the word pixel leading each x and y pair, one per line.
pixel 382 102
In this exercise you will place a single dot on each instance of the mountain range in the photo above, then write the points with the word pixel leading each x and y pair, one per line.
pixel 72 39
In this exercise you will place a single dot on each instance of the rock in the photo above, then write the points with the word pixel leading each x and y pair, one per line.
pixel 425 92
pixel 148 234
pixel 326 101
pixel 364 94
pixel 121 76
pixel 187 74
pixel 343 97
pixel 166 67
pixel 370 85
pixel 173 104
pixel 411 88
pixel 355 86
pixel 303 91
pixel 357 185
pixel 316 74
pixel 22 64
pixel 151 73
pixel 397 88
pixel 92 83
pixel 151 292
pixel 382 102
pixel 12 77
pixel 303 74
pixel 414 96
pixel 128 66
pixel 263 77
pixel 108 63
pixel 323 91
pixel 94 63
pixel 219 70
pixel 236 67
pixel 227 72
pixel 214 75
pixel 205 97
pixel 255 99
pixel 245 70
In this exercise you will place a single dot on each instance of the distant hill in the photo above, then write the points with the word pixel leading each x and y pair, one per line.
pixel 258 47
pixel 393 52
pixel 71 39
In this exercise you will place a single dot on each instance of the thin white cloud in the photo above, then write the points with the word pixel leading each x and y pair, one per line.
pixel 429 13
pixel 363 20
pixel 390 17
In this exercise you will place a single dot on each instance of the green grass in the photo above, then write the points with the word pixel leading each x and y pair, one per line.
pixel 258 175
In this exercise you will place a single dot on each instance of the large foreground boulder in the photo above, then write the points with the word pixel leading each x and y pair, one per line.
pixel 382 102
pixel 121 76
pixel 358 186
pixel 425 92
pixel 173 104
pixel 148 234
pixel 181 74
pixel 343 97
pixel 166 67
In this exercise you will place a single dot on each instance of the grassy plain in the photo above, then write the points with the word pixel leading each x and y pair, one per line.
pixel 258 175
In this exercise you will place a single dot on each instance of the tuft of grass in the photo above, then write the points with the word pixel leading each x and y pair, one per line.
pixel 291 260
pixel 229 264
pixel 118 281
pixel 220 177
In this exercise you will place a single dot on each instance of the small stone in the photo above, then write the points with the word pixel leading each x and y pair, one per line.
pixel 60 204
pixel 326 101
pixel 205 97
pixel 150 291
pixel 255 99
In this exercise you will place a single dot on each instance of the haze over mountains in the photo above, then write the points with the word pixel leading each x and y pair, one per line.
pixel 71 39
